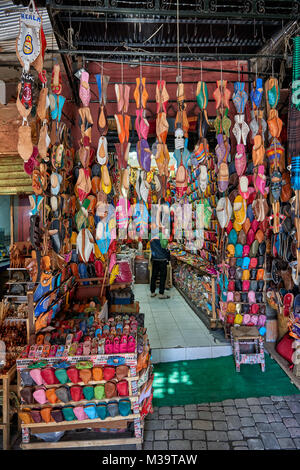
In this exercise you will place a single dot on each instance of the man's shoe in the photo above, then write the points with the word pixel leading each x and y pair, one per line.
pixel 153 294
pixel 163 296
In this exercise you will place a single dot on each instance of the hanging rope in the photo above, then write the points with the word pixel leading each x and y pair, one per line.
pixel 177 25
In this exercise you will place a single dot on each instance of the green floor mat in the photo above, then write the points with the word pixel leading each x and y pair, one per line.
pixel 214 380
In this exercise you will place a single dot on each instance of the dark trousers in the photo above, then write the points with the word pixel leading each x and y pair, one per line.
pixel 159 268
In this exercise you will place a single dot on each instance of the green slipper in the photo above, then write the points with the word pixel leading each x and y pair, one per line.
pixel 69 414
pixel 99 392
pixel 84 365
pixel 88 392
pixel 38 365
pixel 62 376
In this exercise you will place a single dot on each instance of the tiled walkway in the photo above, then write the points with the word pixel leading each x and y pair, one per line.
pixel 175 331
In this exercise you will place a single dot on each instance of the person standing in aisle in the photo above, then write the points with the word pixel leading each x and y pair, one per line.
pixel 160 257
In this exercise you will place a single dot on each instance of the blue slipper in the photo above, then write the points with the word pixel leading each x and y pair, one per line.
pixel 91 411
pixel 250 213
pixel 102 410
pixel 124 407
pixel 246 262
pixel 82 270
pixel 238 250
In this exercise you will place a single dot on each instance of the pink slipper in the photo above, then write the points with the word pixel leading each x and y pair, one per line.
pixel 123 344
pixel 84 90
pixel 36 375
pixel 108 347
pixel 260 180
pixel 80 413
pixel 240 160
pixel 131 344
pixel 116 345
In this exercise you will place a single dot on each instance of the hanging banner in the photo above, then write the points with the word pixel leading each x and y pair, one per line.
pixel 28 44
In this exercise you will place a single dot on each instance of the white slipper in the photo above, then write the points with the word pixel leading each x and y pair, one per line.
pixel 102 152
pixel 144 190
pixel 202 181
pixel 55 180
pixel 54 203
pixel 224 211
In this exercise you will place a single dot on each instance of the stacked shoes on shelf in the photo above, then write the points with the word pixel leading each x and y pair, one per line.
pixel 63 383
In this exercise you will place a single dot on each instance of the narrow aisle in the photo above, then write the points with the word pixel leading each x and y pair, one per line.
pixel 175 331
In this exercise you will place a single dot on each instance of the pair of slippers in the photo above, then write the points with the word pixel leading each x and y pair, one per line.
pixel 239 97
pixel 56 106
pixel 222 94
pixel 240 129
pixel 140 93
pixel 161 96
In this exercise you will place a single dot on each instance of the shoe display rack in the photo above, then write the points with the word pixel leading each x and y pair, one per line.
pixel 67 421
pixel 197 286
pixel 108 396
pixel 203 193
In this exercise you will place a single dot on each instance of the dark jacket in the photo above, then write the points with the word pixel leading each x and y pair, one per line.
pixel 158 252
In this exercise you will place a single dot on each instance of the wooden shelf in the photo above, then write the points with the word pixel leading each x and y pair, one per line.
pixel 85 422
pixel 101 382
pixel 89 443
pixel 78 403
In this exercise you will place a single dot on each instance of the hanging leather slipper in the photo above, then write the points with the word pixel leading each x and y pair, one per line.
pixel 25 146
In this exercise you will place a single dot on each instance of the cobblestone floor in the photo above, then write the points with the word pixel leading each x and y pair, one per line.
pixel 267 423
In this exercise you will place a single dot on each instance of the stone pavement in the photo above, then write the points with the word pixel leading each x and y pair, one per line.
pixel 270 423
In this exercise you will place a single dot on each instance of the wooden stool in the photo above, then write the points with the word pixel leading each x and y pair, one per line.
pixel 248 335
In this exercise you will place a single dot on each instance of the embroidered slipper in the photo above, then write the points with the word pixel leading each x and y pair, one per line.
pixel 276 185
pixel 84 89
pixel 221 149
pixel 239 97
pixel 240 160
pixel 203 178
pixel 256 93
pixel 223 177
pixel 24 96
